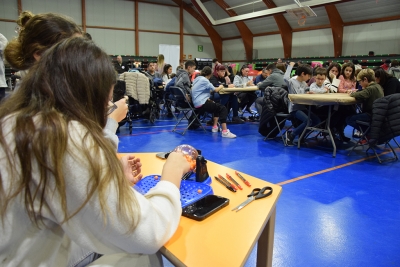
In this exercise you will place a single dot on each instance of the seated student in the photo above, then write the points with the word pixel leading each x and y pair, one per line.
pixel 201 100
pixel 151 70
pixel 386 64
pixel 242 80
pixel 183 76
pixel 166 73
pixel 274 79
pixel 261 77
pixel 64 184
pixel 389 83
pixel 218 79
pixel 298 85
pixel 347 78
pixel 318 87
pixel 394 69
pixel 371 91
pixel 332 80
pixel 337 121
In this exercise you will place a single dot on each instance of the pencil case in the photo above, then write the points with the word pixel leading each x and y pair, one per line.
pixel 191 191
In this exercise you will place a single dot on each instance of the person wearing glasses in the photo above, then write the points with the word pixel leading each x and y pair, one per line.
pixel 242 80
pixel 369 93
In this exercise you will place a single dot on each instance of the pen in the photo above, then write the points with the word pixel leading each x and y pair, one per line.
pixel 226 181
pixel 244 180
pixel 227 186
pixel 233 180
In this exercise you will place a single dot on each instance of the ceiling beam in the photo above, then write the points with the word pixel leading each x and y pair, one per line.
pixel 267 12
pixel 337 28
pixel 284 29
pixel 212 33
pixel 247 35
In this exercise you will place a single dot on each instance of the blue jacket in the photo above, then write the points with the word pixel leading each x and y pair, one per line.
pixel 201 91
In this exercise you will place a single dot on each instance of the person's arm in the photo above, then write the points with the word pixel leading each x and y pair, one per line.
pixel 332 86
pixel 317 90
pixel 289 68
pixel 267 82
pixel 160 209
pixel 361 95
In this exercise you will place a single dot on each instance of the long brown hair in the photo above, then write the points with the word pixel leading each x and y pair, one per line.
pixel 69 87
pixel 38 34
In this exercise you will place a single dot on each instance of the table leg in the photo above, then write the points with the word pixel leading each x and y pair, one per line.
pixel 328 128
pixel 171 257
pixel 265 245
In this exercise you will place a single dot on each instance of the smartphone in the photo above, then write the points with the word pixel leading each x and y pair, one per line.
pixel 205 207
pixel 163 155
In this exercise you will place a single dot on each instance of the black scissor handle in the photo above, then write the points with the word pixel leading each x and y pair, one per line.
pixel 258 193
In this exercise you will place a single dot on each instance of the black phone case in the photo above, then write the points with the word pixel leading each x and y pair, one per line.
pixel 190 210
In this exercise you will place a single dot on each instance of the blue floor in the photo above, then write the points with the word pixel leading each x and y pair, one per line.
pixel 344 215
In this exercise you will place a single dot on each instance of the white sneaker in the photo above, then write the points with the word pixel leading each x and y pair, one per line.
pixel 215 130
pixel 228 134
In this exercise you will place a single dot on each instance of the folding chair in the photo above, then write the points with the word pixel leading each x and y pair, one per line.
pixel 280 119
pixel 184 106
pixel 384 126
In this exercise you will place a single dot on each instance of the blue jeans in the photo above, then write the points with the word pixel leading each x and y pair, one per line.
pixel 351 120
pixel 302 116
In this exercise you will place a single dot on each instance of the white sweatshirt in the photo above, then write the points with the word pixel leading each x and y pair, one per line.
pixel 23 244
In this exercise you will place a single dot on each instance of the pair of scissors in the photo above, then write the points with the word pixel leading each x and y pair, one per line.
pixel 257 193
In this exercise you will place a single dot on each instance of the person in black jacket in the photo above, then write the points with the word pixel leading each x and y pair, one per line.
pixel 389 83
pixel 218 79
pixel 121 66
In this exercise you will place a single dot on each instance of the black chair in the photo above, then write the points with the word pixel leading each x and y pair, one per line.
pixel 383 128
pixel 184 106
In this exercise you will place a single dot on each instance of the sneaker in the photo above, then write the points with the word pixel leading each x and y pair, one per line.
pixel 228 134
pixel 289 139
pixel 357 134
pixel 237 120
pixel 215 130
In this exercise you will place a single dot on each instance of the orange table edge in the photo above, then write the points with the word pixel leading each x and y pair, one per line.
pixel 226 238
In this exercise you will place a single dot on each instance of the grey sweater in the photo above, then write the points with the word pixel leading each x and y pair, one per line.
pixel 274 80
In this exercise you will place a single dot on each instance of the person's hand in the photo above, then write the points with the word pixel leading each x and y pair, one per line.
pixel 120 112
pixel 332 75
pixel 227 80
pixel 249 83
pixel 132 168
pixel 175 167
pixel 292 64
pixel 231 85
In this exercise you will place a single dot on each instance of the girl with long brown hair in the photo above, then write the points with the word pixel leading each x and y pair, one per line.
pixel 61 181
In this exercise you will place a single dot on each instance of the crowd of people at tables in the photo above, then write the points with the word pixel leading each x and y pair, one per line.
pixel 366 85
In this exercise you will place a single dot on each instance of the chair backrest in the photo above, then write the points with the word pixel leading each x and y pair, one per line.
pixel 385 123
pixel 179 97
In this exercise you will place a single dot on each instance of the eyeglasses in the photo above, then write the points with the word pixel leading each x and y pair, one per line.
pixel 111 107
